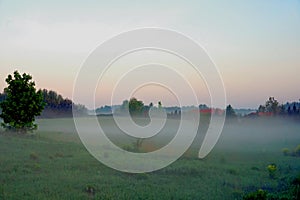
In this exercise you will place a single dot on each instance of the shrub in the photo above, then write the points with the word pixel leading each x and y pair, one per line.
pixel 36 166
pixel 257 195
pixel 272 168
pixel 90 190
pixel 255 168
pixel 33 156
pixel 232 172
pixel 58 155
pixel 297 150
pixel 141 176
pixel 286 151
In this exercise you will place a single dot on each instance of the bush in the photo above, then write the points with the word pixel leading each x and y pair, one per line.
pixel 34 156
pixel 297 150
pixel 257 195
pixel 90 190
pixel 286 151
pixel 59 155
pixel 232 172
pixel 272 168
pixel 291 190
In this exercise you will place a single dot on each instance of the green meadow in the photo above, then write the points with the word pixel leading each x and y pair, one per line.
pixel 52 163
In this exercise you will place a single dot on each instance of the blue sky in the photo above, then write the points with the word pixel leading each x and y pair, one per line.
pixel 255 44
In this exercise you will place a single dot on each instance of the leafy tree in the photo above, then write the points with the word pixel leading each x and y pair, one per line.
pixel 261 108
pixel 159 105
pixel 272 105
pixel 203 107
pixel 135 106
pixel 22 103
pixel 56 105
pixel 294 108
pixel 230 111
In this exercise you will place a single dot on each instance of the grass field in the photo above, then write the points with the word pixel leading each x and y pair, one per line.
pixel 52 163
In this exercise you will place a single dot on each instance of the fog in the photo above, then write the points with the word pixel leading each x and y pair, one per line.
pixel 240 138
pixel 259 134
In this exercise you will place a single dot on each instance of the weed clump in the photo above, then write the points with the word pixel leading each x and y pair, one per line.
pixel 295 152
pixel 272 168
pixel 59 155
pixel 255 168
pixel 232 171
pixel 90 190
pixel 286 151
pixel 34 156
pixel 257 195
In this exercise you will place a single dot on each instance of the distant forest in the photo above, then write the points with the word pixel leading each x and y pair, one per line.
pixel 56 105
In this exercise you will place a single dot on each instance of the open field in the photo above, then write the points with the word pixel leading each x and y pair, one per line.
pixel 53 164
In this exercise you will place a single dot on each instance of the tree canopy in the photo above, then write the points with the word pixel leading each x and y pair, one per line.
pixel 230 111
pixel 135 106
pixel 21 104
pixel 57 106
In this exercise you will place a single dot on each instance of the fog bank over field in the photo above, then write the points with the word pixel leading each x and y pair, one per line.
pixel 249 135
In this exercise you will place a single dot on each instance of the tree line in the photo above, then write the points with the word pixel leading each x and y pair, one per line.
pixel 56 105
pixel 137 107
pixel 20 103
pixel 274 108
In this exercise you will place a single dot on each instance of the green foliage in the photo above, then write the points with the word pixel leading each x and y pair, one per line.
pixel 22 103
pixel 291 190
pixel 34 156
pixel 90 190
pixel 257 195
pixel 135 147
pixel 272 105
pixel 135 106
pixel 56 105
pixel 297 151
pixel 272 168
pixel 286 151
pixel 56 175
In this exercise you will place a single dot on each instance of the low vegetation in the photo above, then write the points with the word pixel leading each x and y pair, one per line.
pixel 295 152
pixel 53 164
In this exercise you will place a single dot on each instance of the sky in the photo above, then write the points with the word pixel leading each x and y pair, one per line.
pixel 255 44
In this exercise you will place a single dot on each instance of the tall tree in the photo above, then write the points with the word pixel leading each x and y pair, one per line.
pixel 272 106
pixel 22 104
pixel 261 108
pixel 230 111
pixel 135 106
pixel 294 108
pixel 159 105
